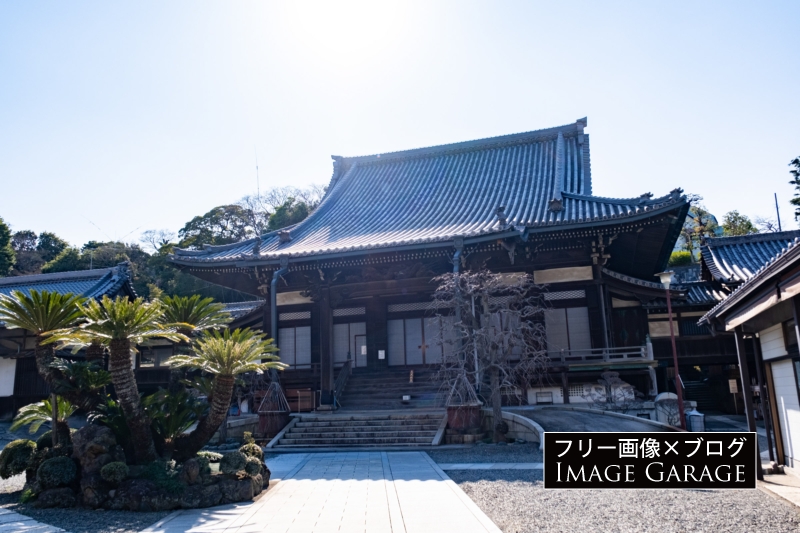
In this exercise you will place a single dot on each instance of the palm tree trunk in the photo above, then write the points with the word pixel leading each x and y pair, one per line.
pixel 45 355
pixel 94 352
pixel 54 431
pixel 187 446
pixel 124 380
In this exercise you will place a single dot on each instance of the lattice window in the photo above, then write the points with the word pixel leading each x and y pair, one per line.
pixel 352 311
pixel 565 295
pixel 300 315
pixel 575 391
pixel 400 308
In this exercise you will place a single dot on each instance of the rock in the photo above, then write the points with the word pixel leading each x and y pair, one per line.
pixel 94 447
pixel 160 500
pixel 199 496
pixel 112 493
pixel 190 472
pixel 63 497
pixel 130 494
pixel 94 490
pixel 265 475
pixel 236 490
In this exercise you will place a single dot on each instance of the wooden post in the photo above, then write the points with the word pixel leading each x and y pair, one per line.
pixel 565 387
pixel 377 336
pixel 776 423
pixel 326 347
pixel 765 406
pixel 747 392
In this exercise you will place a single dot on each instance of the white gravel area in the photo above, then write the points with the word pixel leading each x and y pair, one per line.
pixel 489 453
pixel 517 502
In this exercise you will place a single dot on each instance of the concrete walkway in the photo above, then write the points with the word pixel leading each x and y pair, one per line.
pixel 491 466
pixel 11 522
pixel 373 492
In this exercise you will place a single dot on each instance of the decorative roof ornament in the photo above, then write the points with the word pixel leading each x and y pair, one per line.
pixel 284 236
pixel 556 205
pixel 645 197
pixel 675 194
pixel 257 247
pixel 502 218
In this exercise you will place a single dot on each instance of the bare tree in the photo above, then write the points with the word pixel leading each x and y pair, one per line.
pixel 260 207
pixel 766 225
pixel 154 239
pixel 492 325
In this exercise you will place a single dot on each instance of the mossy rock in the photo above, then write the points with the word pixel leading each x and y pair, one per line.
pixel 253 466
pixel 15 457
pixel 232 462
pixel 114 472
pixel 252 450
pixel 56 472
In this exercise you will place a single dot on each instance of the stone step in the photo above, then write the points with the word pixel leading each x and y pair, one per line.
pixel 359 434
pixel 348 441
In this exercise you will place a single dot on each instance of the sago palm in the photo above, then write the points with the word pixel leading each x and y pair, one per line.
pixel 195 313
pixel 121 324
pixel 41 313
pixel 225 355
pixel 36 414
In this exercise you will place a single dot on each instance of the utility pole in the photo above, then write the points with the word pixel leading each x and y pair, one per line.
pixel 778 212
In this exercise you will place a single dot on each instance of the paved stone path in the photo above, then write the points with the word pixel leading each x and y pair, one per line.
pixel 373 492
pixel 491 466
pixel 11 522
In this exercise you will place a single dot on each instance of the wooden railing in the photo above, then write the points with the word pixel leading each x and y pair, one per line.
pixel 602 355
pixel 341 381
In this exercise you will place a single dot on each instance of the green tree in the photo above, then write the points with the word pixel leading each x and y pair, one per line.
pixel 735 223
pixel 24 241
pixel 122 324
pixel 195 313
pixel 795 172
pixel 50 245
pixel 289 213
pixel 67 260
pixel 225 355
pixel 7 256
pixel 35 414
pixel 222 225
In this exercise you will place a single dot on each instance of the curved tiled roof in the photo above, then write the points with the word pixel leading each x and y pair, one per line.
pixel 428 195
pixel 787 254
pixel 89 283
pixel 240 309
pixel 736 259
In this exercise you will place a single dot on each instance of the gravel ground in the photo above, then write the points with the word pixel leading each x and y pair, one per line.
pixel 490 453
pixel 517 503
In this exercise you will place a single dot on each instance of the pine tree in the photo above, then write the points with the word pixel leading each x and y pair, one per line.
pixel 7 256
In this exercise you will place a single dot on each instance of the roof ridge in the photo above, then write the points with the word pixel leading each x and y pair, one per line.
pixel 574 128
pixel 55 276
pixel 752 237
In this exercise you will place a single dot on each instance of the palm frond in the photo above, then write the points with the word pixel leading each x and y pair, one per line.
pixel 35 414
pixel 41 311
pixel 195 313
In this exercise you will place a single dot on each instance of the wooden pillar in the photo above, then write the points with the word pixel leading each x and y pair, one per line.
pixel 747 393
pixel 776 422
pixel 326 347
pixel 565 387
pixel 765 404
pixel 377 337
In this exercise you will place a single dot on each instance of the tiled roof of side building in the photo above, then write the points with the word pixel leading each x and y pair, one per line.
pixel 90 283
pixel 542 180
pixel 240 309
pixel 790 254
pixel 736 259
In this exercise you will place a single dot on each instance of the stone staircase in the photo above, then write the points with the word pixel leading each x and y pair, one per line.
pixel 362 430
pixel 385 390
pixel 702 393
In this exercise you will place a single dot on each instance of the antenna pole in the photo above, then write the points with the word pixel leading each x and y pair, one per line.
pixel 778 212
pixel 258 182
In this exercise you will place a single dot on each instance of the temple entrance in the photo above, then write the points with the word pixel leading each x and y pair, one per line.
pixel 416 341
pixel 349 341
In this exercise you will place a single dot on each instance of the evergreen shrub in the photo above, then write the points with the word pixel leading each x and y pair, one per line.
pixel 15 457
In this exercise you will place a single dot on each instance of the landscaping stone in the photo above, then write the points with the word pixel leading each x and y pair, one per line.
pixel 94 490
pixel 201 496
pixel 190 472
pixel 63 497
pixel 94 447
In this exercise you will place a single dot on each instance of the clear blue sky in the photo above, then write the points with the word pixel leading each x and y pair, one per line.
pixel 144 114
